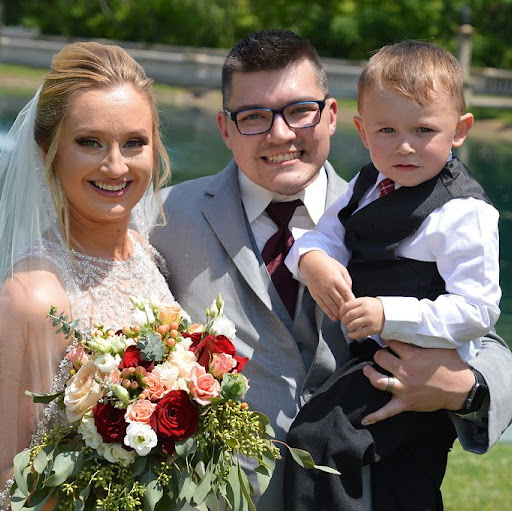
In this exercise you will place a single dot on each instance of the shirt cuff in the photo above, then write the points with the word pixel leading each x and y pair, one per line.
pixel 402 316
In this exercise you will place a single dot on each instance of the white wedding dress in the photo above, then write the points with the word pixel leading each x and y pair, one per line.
pixel 98 290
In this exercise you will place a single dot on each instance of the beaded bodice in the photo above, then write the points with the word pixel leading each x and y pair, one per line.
pixel 98 289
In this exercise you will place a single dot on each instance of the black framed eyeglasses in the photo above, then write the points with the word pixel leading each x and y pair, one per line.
pixel 254 121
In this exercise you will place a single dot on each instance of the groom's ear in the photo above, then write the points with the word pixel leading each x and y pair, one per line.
pixel 222 123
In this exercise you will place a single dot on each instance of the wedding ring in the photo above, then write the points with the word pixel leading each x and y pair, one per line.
pixel 390 384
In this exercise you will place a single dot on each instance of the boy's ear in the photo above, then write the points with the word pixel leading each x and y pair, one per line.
pixel 462 129
pixel 359 125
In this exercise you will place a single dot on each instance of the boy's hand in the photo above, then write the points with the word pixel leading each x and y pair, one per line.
pixel 328 281
pixel 362 316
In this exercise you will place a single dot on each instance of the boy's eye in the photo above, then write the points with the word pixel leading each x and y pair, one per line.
pixel 387 130
pixel 424 130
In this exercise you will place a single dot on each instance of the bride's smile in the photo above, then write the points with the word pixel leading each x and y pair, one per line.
pixel 105 155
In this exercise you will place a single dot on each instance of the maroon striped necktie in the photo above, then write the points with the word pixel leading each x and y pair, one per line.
pixel 276 249
pixel 386 186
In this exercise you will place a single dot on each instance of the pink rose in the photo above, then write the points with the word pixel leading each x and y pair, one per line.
pixel 203 386
pixel 221 364
pixel 77 356
pixel 115 377
pixel 140 411
pixel 154 387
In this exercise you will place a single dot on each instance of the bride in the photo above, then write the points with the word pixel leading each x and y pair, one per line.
pixel 81 155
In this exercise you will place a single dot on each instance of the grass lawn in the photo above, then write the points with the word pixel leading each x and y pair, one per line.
pixel 479 482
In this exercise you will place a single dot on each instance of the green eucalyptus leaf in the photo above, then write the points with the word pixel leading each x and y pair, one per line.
pixel 329 470
pixel 82 498
pixel 245 484
pixel 203 488
pixel 139 466
pixel 18 500
pixel 45 397
pixel 21 460
pixel 263 476
pixel 187 487
pixel 235 494
pixel 154 492
pixel 63 467
pixel 40 462
pixel 212 502
pixel 302 457
pixel 38 500
pixel 185 447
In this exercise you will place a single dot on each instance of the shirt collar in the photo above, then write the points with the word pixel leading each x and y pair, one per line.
pixel 381 176
pixel 255 198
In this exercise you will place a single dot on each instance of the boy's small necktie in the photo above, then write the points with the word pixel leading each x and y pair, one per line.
pixel 276 249
pixel 386 186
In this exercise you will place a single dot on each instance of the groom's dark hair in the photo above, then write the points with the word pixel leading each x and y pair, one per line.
pixel 269 50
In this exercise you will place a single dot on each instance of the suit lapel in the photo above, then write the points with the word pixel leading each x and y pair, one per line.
pixel 223 210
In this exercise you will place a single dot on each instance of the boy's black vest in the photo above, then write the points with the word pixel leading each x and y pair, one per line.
pixel 374 232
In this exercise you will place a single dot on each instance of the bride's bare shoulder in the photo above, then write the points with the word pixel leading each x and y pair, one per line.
pixel 31 292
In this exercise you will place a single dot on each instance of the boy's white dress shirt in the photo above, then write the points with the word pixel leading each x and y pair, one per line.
pixel 462 238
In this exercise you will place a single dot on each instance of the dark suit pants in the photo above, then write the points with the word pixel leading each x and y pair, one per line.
pixel 407 453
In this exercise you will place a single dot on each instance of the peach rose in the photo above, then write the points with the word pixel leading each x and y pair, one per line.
pixel 221 364
pixel 82 391
pixel 203 386
pixel 140 411
pixel 170 314
pixel 77 356
pixel 155 388
pixel 195 328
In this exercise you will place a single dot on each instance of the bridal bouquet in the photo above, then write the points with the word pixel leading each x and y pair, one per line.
pixel 155 419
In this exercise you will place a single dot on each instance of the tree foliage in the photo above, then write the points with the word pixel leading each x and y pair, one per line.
pixel 349 29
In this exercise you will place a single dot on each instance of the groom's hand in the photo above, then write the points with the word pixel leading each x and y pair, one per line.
pixel 426 379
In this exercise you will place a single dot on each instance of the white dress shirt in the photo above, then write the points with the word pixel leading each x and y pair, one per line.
pixel 256 198
pixel 461 237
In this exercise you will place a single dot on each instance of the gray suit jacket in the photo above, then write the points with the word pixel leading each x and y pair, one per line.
pixel 209 248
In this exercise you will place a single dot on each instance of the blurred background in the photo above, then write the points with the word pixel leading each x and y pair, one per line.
pixel 182 44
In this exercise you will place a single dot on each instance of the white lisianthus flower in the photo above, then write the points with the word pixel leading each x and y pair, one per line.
pixel 116 453
pixel 89 432
pixel 181 384
pixel 223 326
pixel 140 437
pixel 139 316
pixel 118 343
pixel 99 344
pixel 106 363
pixel 184 344
pixel 168 374
pixel 185 361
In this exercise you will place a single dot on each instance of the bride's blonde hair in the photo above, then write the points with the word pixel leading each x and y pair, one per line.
pixel 79 67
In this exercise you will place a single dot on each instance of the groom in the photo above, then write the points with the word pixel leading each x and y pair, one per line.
pixel 218 227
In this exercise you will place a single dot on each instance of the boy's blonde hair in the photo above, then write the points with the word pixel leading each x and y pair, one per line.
pixel 415 69
pixel 81 67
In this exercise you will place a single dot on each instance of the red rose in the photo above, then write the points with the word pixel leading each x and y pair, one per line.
pixel 175 418
pixel 196 338
pixel 110 422
pixel 132 358
pixel 217 344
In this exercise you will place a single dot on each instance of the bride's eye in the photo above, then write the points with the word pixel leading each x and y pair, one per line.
pixel 88 142
pixel 134 144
